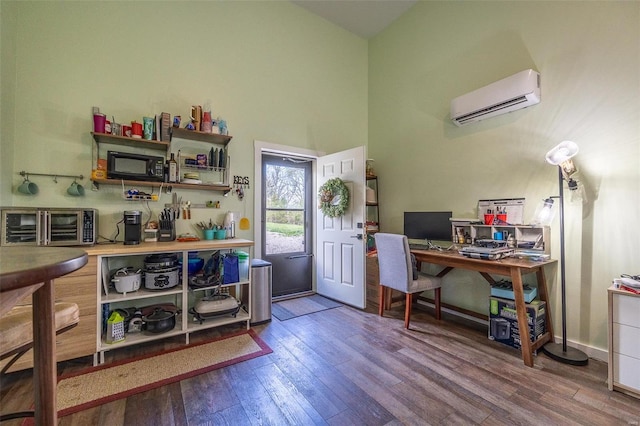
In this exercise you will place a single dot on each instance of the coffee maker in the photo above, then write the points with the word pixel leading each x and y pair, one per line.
pixel 132 227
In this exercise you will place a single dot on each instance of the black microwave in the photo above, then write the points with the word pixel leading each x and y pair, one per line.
pixel 126 165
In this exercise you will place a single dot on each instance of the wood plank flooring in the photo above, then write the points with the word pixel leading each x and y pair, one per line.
pixel 344 366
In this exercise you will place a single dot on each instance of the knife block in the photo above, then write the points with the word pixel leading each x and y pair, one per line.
pixel 167 234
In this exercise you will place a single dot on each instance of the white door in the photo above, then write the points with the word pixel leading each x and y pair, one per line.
pixel 340 247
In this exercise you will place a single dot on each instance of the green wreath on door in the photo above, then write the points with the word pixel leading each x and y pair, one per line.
pixel 334 198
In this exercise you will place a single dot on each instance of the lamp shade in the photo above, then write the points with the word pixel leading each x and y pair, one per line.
pixel 561 152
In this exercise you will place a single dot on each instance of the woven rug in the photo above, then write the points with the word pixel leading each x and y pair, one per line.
pixel 293 308
pixel 109 382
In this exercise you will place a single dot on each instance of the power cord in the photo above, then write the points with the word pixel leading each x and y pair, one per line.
pixel 115 238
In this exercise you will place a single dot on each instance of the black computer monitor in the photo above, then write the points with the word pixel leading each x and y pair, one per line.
pixel 434 226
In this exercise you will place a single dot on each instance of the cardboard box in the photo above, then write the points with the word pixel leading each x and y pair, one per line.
pixel 503 321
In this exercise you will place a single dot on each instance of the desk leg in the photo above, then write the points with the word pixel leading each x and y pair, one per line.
pixel 521 312
pixel 544 296
pixel 44 355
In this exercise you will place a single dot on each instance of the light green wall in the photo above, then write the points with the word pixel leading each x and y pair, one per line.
pixel 274 71
pixel 7 98
pixel 588 54
pixel 282 75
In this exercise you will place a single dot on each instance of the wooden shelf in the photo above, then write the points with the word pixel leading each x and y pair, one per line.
pixel 195 135
pixel 127 141
pixel 164 184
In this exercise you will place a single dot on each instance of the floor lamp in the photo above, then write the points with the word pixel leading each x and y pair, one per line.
pixel 561 156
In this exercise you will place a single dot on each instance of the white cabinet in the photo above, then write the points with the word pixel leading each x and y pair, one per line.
pixel 624 341
pixel 527 237
pixel 182 295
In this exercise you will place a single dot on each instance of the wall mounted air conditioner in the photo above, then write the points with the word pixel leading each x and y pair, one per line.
pixel 509 94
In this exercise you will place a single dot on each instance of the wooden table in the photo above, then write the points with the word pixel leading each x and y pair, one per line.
pixel 31 270
pixel 510 267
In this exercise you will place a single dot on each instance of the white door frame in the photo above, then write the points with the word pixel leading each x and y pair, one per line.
pixel 261 147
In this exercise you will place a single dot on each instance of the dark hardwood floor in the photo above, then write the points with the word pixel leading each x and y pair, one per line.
pixel 344 366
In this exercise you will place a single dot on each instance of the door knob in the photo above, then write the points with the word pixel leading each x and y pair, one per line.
pixel 358 236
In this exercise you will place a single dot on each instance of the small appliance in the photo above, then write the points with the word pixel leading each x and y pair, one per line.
pixel 126 165
pixel 38 226
pixel 161 271
pixel 132 227
pixel 126 280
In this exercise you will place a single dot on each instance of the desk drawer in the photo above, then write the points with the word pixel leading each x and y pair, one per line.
pixel 626 309
pixel 626 340
pixel 627 372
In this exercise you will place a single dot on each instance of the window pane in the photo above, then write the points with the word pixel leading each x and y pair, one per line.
pixel 285 231
pixel 284 187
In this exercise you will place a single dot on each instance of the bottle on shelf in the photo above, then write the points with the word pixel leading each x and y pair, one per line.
pixel 173 169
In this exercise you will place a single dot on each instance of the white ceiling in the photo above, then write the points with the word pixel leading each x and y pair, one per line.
pixel 365 18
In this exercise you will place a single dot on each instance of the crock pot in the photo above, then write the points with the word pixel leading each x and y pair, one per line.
pixel 160 261
pixel 161 279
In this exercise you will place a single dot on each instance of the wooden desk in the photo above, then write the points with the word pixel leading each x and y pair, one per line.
pixel 26 270
pixel 513 268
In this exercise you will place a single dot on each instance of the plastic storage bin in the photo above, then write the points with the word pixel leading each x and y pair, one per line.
pixel 243 265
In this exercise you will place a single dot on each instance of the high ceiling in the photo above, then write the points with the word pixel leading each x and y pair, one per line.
pixel 365 18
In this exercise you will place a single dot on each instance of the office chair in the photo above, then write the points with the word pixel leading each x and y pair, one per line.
pixel 397 272
pixel 16 337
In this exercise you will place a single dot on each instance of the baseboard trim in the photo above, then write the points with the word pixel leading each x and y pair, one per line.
pixel 592 352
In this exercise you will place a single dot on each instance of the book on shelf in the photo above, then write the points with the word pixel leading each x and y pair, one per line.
pixel 165 127
pixel 157 131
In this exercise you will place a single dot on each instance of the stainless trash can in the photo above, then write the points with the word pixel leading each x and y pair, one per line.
pixel 260 291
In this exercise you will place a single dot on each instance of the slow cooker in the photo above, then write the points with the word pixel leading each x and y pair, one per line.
pixel 161 279
pixel 160 261
pixel 161 271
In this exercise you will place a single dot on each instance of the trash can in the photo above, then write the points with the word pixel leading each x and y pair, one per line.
pixel 260 291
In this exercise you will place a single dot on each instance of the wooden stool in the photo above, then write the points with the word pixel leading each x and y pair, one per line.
pixel 16 336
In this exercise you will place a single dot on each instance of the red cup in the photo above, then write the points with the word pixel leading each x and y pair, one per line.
pixel 126 130
pixel 502 218
pixel 488 219
pixel 99 121
pixel 136 129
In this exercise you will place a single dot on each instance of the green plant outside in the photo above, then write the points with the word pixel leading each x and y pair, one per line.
pixel 285 229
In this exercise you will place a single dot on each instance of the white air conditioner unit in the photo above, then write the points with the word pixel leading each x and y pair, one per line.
pixel 509 94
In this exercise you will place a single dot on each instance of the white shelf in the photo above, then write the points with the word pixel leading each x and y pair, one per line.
pixel 241 316
pixel 525 235
pixel 142 337
pixel 185 297
pixel 142 293
pixel 194 289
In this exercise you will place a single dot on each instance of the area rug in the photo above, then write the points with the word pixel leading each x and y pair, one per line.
pixel 109 382
pixel 293 308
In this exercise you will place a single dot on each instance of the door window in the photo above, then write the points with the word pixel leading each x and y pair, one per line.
pixel 287 223
pixel 285 208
